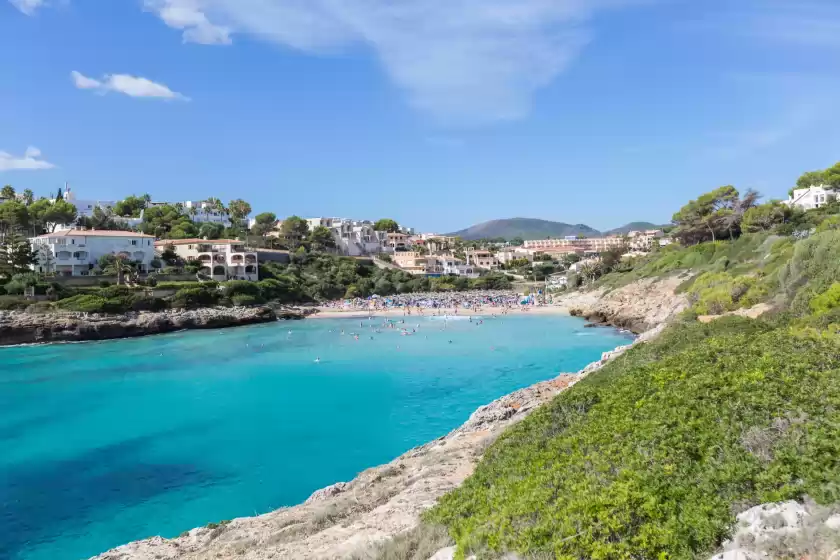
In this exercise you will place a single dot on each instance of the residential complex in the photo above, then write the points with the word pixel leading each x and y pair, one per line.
pixel 810 198
pixel 76 252
pixel 635 240
pixel 220 259
pixel 353 237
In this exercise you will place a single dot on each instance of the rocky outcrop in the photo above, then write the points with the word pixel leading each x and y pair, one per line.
pixel 784 530
pixel 31 328
pixel 638 307
pixel 348 518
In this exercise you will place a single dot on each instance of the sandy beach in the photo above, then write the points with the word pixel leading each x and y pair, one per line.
pixel 350 313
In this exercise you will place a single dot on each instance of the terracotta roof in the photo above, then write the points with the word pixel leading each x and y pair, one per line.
pixel 95 233
pixel 195 241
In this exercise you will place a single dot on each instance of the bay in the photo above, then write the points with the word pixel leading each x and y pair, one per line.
pixel 105 443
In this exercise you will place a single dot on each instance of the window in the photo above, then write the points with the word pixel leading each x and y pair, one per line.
pixel 134 242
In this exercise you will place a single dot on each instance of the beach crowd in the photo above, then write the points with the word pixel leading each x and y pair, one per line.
pixel 436 303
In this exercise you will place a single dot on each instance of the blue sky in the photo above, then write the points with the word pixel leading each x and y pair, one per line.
pixel 438 113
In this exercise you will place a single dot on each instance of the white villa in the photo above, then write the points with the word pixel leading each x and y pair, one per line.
pixel 480 258
pixel 506 255
pixel 76 252
pixel 810 198
pixel 221 259
pixel 85 208
pixel 353 237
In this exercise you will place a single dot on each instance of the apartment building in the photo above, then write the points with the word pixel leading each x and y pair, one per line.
pixel 413 262
pixel 221 259
pixel 587 245
pixel 76 252
pixel 482 259
pixel 517 253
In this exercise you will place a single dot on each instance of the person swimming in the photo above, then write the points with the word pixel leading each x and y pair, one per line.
pixel 317 360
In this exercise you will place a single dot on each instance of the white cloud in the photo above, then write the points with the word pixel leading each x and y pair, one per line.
pixel 186 15
pixel 129 85
pixel 28 7
pixel 462 61
pixel 31 160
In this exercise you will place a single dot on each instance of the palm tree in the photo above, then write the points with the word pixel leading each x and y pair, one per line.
pixel 28 196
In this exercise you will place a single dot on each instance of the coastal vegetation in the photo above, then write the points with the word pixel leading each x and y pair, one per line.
pixel 653 455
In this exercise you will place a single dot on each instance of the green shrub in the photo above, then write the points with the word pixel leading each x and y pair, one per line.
pixel 245 300
pixel 826 301
pixel 104 284
pixel 3 290
pixel 240 287
pixel 90 303
pixel 195 297
pixel 40 307
pixel 813 267
pixel 12 303
pixel 651 456
pixel 140 302
pixel 19 282
pixel 181 285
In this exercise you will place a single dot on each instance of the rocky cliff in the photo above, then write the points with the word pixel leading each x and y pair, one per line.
pixel 638 307
pixel 27 328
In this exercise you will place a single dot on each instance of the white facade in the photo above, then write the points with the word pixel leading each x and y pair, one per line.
pixel 352 237
pixel 85 208
pixel 451 265
pixel 508 255
pixel 220 259
pixel 76 252
pixel 201 212
pixel 482 259
pixel 810 198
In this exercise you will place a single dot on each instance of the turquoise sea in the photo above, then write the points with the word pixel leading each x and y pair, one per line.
pixel 104 443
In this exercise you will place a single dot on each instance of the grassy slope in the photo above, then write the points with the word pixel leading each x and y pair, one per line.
pixel 653 455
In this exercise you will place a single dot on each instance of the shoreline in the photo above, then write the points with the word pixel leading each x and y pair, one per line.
pixel 348 518
pixel 21 328
pixel 332 313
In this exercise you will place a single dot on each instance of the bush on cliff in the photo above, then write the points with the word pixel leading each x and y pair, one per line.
pixel 195 297
pixel 89 303
pixel 245 300
pixel 12 303
pixel 652 456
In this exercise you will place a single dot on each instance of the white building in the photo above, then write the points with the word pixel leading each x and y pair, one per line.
pixel 812 197
pixel 352 237
pixel 220 259
pixel 202 212
pixel 85 208
pixel 481 258
pixel 506 255
pixel 451 265
pixel 76 252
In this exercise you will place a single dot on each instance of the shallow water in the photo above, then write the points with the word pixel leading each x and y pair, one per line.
pixel 105 443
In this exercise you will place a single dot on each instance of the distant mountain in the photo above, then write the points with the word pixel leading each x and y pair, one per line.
pixel 632 226
pixel 526 228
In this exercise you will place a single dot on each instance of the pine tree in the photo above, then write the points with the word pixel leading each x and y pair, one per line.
pixel 16 254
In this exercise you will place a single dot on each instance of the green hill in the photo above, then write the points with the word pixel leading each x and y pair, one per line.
pixel 633 226
pixel 525 228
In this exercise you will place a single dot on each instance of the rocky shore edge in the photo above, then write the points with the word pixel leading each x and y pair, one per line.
pixel 347 519
pixel 32 328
